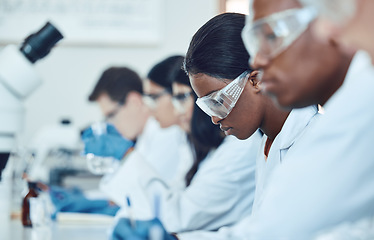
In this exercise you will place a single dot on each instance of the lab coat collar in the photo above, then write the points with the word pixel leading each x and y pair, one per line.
pixel 294 125
pixel 360 63
pixel 359 67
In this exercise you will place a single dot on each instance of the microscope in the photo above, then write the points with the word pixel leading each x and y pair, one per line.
pixel 18 79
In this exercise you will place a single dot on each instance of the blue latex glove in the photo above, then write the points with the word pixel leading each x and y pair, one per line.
pixel 73 200
pixel 124 231
pixel 108 144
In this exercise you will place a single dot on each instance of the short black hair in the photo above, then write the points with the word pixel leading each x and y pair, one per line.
pixel 161 73
pixel 117 82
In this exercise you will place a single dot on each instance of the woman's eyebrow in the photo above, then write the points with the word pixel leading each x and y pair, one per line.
pixel 211 92
pixel 227 82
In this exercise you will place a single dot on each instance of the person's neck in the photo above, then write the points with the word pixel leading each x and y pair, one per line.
pixel 273 120
pixel 144 117
pixel 336 79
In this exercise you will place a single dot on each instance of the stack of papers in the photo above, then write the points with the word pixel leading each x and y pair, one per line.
pixel 84 218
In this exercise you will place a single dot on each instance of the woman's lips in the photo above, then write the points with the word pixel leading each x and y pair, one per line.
pixel 226 130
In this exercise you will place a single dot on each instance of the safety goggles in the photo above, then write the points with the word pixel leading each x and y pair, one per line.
pixel 150 99
pixel 179 101
pixel 271 35
pixel 221 102
pixel 112 114
pixel 338 11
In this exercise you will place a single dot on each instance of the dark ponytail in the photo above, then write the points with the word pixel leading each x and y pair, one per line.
pixel 204 137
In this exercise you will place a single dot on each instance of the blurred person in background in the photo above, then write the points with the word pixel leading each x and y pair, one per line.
pixel 118 93
pixel 158 91
pixel 160 138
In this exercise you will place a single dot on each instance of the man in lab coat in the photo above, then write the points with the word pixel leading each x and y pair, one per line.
pixel 118 93
pixel 328 178
pixel 147 118
pixel 142 113
pixel 350 21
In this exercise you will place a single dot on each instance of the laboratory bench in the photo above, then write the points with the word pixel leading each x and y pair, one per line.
pixel 56 231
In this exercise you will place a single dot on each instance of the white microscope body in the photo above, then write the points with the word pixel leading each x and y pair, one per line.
pixel 18 79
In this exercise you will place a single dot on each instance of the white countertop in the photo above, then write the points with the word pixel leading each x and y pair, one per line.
pixel 56 231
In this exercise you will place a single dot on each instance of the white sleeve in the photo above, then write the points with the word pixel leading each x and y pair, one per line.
pixel 128 181
pixel 235 232
pixel 203 235
pixel 220 193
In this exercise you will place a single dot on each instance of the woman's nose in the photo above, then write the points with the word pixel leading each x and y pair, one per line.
pixel 216 120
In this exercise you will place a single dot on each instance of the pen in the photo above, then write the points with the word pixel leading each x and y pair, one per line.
pixel 156 205
pixel 131 217
pixel 155 231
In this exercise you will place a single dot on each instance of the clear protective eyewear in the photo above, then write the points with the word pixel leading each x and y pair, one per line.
pixel 150 99
pixel 111 115
pixel 179 101
pixel 338 11
pixel 220 103
pixel 272 35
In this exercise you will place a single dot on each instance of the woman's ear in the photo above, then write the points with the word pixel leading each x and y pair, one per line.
pixel 255 80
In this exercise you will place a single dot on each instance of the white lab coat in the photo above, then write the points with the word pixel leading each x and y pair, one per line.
pixel 295 126
pixel 220 193
pixel 334 182
pixel 292 130
pixel 161 148
pixel 359 230
pixel 164 149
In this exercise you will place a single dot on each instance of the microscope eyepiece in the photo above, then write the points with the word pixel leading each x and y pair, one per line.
pixel 39 44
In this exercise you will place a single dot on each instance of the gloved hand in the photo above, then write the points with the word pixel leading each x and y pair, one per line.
pixel 109 143
pixel 143 230
pixel 73 200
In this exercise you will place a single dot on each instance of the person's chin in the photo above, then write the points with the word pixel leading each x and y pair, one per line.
pixel 283 102
pixel 185 126
pixel 288 104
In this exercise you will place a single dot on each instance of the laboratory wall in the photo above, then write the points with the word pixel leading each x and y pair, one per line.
pixel 69 72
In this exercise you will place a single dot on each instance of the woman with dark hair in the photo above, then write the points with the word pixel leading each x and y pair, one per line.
pixel 217 189
pixel 229 92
